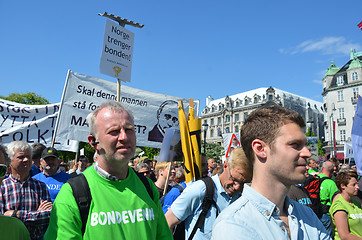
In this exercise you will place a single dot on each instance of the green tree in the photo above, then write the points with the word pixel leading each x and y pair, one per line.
pixel 150 152
pixel 213 150
pixel 30 98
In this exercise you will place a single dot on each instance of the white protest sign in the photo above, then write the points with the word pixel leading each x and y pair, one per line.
pixel 31 124
pixel 231 141
pixel 153 112
pixel 116 58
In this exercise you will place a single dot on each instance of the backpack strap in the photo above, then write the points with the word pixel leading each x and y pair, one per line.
pixel 179 187
pixel 206 204
pixel 82 196
pixel 145 182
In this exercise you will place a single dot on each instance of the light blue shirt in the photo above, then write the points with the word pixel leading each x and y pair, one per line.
pixel 188 207
pixel 254 217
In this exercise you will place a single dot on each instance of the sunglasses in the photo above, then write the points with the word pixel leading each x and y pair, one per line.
pixel 3 169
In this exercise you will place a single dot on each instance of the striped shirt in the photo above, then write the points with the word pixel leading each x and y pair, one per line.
pixel 26 198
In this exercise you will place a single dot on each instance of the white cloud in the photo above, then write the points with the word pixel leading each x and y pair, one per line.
pixel 326 45
pixel 319 82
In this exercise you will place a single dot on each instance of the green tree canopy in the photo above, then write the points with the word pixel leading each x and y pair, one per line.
pixel 30 98
pixel 214 150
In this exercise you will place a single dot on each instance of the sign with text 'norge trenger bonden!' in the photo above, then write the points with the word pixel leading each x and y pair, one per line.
pixel 116 59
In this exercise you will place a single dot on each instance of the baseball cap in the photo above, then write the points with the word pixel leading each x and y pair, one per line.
pixel 49 152
pixel 145 159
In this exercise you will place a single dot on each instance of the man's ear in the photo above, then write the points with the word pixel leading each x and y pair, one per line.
pixel 92 141
pixel 259 148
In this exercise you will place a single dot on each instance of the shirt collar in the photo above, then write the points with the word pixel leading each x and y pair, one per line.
pixel 104 173
pixel 17 180
pixel 261 203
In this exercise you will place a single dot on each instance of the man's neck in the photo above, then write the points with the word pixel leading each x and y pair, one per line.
pixel 117 169
pixel 18 176
pixel 275 192
pixel 160 183
pixel 328 174
pixel 47 173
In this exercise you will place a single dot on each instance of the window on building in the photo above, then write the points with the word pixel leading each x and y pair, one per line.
pixel 205 121
pixel 339 80
pixel 227 118
pixel 236 128
pixel 246 101
pixel 342 134
pixel 354 76
pixel 355 92
pixel 227 130
pixel 212 122
pixel 340 95
pixel 341 113
pixel 228 105
pixel 237 104
pixel 270 97
pixel 219 120
pixel 212 133
pixel 245 115
pixel 220 108
pixel 236 117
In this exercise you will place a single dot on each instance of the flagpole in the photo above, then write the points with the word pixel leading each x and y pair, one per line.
pixel 118 89
pixel 60 108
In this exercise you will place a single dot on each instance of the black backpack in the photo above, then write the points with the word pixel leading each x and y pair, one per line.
pixel 83 197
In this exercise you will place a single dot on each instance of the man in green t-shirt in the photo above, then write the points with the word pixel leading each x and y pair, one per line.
pixel 312 166
pixel 121 208
pixel 327 189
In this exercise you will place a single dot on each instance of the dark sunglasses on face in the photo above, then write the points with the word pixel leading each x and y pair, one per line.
pixel 3 169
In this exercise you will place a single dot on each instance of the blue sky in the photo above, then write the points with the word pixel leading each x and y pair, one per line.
pixel 188 49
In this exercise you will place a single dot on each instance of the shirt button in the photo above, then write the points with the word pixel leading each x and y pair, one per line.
pixel 267 213
pixel 283 228
pixel 276 210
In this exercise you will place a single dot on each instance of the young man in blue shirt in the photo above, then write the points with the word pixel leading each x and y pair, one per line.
pixel 274 142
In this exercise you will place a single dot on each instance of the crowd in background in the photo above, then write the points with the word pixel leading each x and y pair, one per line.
pixel 32 177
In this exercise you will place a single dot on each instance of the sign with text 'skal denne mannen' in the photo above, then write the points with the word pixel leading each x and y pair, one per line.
pixel 116 59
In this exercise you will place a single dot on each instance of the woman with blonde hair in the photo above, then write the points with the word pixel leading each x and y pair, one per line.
pixel 346 214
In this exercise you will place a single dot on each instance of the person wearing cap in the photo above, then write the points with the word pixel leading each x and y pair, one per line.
pixel 52 176
pixel 23 197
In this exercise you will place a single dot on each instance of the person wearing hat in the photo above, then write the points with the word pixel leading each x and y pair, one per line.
pixel 52 176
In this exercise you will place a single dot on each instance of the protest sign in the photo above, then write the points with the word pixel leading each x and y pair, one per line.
pixel 116 58
pixel 356 136
pixel 31 124
pixel 231 141
pixel 153 112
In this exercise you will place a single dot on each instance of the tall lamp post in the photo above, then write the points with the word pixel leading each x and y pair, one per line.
pixel 204 126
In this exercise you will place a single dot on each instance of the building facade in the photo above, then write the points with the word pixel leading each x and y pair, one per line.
pixel 226 115
pixel 340 93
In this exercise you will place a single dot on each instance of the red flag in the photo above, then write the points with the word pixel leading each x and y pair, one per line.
pixel 360 25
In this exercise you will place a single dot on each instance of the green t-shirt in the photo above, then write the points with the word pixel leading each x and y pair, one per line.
pixel 354 215
pixel 119 210
pixel 13 228
pixel 327 189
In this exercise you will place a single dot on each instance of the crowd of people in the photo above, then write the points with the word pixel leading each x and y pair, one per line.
pixel 269 188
